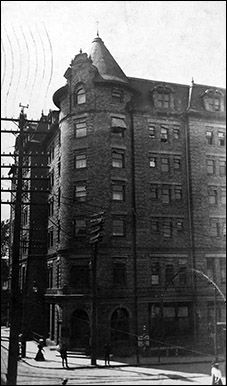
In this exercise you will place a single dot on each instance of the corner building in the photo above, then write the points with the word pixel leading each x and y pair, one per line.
pixel 137 150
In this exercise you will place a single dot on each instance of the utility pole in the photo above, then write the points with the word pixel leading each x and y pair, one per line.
pixel 95 235
pixel 134 229
pixel 94 307
pixel 14 301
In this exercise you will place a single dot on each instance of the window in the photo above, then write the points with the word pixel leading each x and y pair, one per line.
pixel 223 196
pixel 80 129
pixel 155 273
pixel 182 275
pixel 178 193
pixel 214 228
pixel 221 138
pixel 23 276
pixel 117 95
pixel 79 228
pixel 214 104
pixel 80 96
pixel 25 216
pixel 222 168
pixel 164 134
pixel 59 167
pixel 169 274
pixel 155 226
pixel 224 230
pixel 180 225
pixel 166 195
pixel 51 207
pixel 163 100
pixel 118 126
pixel 58 275
pixel 153 162
pixel 209 137
pixel 50 237
pixel 167 229
pixel 176 132
pixel 50 276
pixel 177 163
pixel 118 192
pixel 80 161
pixel 51 179
pixel 118 227
pixel 210 268
pixel 117 159
pixel 80 276
pixel 213 196
pixel 24 245
pixel 210 166
pixel 164 164
pixel 152 133
pixel 51 154
pixel 59 231
pixel 223 270
pixel 80 192
pixel 119 273
pixel 154 192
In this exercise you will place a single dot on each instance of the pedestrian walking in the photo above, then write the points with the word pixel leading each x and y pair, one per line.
pixel 107 351
pixel 216 374
pixel 63 353
pixel 39 356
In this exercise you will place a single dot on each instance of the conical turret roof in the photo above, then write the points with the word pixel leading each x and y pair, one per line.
pixel 105 63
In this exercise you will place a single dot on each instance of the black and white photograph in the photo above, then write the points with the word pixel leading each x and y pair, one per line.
pixel 113 193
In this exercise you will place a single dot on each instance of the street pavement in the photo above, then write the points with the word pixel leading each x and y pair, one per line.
pixel 170 371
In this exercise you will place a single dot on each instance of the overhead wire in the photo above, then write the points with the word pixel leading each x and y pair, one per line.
pixel 12 70
pixel 44 54
pixel 27 59
pixel 20 66
pixel 4 63
pixel 36 64
pixel 51 67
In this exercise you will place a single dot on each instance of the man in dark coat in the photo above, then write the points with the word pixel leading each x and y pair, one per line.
pixel 63 353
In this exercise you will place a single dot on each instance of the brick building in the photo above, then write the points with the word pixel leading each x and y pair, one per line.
pixel 151 155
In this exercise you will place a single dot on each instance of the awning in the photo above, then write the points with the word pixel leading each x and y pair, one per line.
pixel 119 122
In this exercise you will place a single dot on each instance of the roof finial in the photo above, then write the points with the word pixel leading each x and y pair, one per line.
pixel 97 22
pixel 80 50
pixel 193 81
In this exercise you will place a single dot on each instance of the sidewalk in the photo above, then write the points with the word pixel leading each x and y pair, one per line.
pixel 53 359
pixel 79 361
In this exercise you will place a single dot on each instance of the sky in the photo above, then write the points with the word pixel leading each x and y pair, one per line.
pixel 172 41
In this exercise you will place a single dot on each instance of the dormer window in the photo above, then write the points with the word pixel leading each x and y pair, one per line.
pixel 163 100
pixel 163 97
pixel 214 104
pixel 213 100
pixel 80 96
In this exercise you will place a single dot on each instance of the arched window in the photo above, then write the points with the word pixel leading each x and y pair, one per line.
pixel 80 96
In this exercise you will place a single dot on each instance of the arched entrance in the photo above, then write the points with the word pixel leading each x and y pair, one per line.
pixel 80 329
pixel 120 326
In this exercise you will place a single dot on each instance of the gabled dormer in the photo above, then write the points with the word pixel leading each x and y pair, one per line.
pixel 163 97
pixel 213 100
